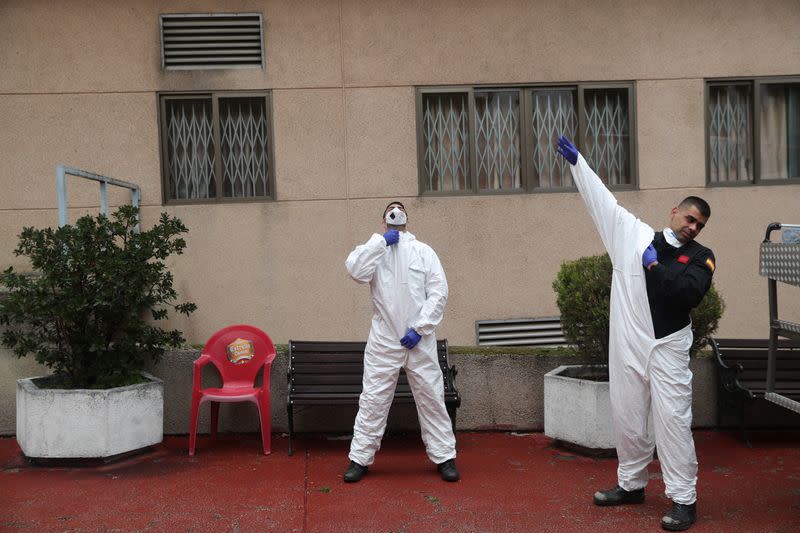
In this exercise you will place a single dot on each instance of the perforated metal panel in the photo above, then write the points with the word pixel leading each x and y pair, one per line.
pixel 783 401
pixel 545 332
pixel 781 262
pixel 788 327
pixel 211 41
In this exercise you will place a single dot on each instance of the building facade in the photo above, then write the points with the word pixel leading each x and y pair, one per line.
pixel 278 131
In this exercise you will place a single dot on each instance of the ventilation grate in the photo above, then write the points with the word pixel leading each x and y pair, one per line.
pixel 211 41
pixel 545 332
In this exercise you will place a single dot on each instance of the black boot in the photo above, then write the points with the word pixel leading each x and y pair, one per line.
pixel 680 517
pixel 448 470
pixel 354 472
pixel 618 496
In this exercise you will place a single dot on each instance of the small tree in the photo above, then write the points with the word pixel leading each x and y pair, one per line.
pixel 583 289
pixel 705 318
pixel 82 313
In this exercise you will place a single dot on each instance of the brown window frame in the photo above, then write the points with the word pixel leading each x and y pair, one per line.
pixel 755 105
pixel 214 96
pixel 528 182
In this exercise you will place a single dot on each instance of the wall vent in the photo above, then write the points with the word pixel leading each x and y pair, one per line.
pixel 211 41
pixel 544 332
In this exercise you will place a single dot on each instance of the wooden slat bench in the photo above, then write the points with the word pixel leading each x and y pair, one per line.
pixel 742 373
pixel 330 373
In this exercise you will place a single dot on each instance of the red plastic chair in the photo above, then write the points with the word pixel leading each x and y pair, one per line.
pixel 239 353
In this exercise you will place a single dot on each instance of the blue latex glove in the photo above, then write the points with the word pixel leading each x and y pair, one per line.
pixel 649 256
pixel 410 339
pixel 567 149
pixel 391 237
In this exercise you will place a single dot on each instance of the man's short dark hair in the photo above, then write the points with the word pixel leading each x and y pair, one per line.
pixel 391 204
pixel 699 203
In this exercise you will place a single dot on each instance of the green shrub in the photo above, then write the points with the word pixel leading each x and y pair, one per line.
pixel 82 314
pixel 705 319
pixel 583 289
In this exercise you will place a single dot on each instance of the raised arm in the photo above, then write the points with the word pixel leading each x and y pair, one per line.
pixel 610 219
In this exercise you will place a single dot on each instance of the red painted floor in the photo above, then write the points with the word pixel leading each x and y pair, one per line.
pixel 510 482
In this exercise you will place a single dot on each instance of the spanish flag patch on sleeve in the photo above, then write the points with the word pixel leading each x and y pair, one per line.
pixel 710 264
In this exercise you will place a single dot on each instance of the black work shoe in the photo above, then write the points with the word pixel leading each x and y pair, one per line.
pixel 680 517
pixel 448 470
pixel 618 496
pixel 354 472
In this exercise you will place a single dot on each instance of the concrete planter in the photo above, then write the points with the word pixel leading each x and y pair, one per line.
pixel 82 423
pixel 577 411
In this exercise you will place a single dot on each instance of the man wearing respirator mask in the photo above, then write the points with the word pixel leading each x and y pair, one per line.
pixel 409 292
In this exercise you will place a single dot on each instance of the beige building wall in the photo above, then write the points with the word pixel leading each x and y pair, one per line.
pixel 80 84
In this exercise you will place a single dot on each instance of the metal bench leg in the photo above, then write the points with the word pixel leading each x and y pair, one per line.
pixel 740 407
pixel 721 405
pixel 290 413
pixel 452 412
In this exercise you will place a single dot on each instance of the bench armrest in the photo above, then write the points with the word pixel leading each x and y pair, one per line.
pixel 728 374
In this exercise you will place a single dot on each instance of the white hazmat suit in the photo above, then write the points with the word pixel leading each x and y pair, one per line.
pixel 409 290
pixel 646 374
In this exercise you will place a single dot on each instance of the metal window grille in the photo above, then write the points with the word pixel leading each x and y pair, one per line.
pixel 211 41
pixel 245 154
pixel 544 332
pixel 497 140
pixel 216 146
pixel 606 134
pixel 730 133
pixel 502 139
pixel 552 114
pixel 445 127
pixel 190 149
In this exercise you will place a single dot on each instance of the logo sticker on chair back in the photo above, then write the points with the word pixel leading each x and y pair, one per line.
pixel 240 351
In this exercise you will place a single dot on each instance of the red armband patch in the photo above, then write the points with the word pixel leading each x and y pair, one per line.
pixel 683 259
pixel 710 264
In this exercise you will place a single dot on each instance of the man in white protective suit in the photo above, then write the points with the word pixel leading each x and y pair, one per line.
pixel 658 277
pixel 409 292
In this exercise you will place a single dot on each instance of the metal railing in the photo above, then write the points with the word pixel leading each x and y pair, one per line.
pixel 63 171
pixel 779 261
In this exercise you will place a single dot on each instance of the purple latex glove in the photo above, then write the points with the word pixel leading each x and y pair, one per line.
pixel 410 339
pixel 649 256
pixel 568 150
pixel 391 237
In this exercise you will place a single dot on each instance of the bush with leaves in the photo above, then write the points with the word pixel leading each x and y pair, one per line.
pixel 82 314
pixel 583 289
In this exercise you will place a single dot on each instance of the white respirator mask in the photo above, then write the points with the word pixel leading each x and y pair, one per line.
pixel 396 217
pixel 671 238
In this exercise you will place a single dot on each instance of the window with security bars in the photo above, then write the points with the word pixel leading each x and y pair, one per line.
pixel 216 147
pixel 493 140
pixel 753 131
